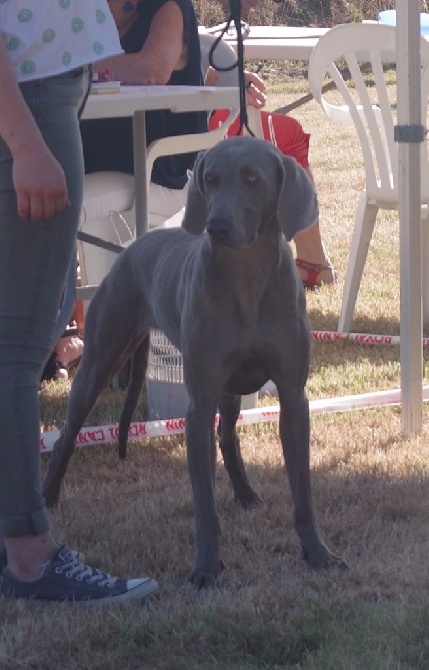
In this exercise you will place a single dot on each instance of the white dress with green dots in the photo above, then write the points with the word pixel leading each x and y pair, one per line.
pixel 47 37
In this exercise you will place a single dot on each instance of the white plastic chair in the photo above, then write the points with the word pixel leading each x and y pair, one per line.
pixel 373 115
pixel 224 56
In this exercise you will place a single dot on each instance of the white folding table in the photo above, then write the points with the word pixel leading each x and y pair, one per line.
pixel 135 101
pixel 274 42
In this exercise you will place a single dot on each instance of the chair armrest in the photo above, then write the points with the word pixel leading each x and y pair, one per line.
pixel 183 144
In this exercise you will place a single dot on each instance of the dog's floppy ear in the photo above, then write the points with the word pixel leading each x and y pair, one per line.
pixel 195 218
pixel 297 207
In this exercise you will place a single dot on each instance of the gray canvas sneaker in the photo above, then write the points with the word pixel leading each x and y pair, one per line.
pixel 67 579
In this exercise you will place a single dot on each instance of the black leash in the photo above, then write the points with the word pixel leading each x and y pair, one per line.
pixel 234 18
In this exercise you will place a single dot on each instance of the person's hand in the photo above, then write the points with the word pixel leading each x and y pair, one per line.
pixel 255 90
pixel 39 182
pixel 255 87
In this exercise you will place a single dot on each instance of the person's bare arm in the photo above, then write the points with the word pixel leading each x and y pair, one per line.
pixel 163 51
pixel 38 178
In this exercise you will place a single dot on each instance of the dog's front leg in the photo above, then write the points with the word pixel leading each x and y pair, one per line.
pixel 201 451
pixel 295 438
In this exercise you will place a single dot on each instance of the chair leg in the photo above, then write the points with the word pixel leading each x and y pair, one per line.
pixel 362 233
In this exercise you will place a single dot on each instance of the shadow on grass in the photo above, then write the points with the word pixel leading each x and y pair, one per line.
pixel 269 611
pixel 326 320
pixel 338 354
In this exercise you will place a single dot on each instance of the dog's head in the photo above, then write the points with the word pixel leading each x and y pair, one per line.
pixel 243 183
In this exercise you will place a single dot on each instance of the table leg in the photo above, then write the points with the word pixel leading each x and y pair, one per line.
pixel 140 173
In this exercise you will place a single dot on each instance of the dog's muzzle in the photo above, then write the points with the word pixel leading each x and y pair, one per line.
pixel 219 230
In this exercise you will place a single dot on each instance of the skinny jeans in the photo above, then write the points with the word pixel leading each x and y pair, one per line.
pixel 34 260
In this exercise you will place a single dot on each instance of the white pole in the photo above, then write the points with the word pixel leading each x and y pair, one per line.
pixel 408 134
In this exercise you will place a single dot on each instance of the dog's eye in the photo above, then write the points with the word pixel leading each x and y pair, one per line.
pixel 248 175
pixel 210 179
pixel 250 178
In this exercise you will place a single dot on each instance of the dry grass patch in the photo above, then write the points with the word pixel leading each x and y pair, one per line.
pixel 268 610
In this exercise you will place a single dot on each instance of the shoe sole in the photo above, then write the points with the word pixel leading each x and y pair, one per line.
pixel 141 592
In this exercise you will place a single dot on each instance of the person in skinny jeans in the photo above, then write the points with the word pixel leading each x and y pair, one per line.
pixel 42 87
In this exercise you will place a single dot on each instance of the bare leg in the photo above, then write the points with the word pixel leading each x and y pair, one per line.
pixel 27 554
pixel 310 248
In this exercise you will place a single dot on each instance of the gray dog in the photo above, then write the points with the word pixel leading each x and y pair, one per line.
pixel 225 291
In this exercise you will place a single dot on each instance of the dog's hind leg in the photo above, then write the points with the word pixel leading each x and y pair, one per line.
pixel 87 385
pixel 106 350
pixel 138 374
pixel 229 410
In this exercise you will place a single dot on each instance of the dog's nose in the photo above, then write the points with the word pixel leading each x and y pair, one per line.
pixel 219 229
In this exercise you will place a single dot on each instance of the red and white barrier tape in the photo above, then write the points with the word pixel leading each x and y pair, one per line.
pixel 145 429
pixel 361 338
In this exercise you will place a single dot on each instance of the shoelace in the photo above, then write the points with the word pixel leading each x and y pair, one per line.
pixel 74 569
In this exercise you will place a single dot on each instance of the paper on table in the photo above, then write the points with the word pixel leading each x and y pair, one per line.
pixel 106 87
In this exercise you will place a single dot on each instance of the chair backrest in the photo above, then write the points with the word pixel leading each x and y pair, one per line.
pixel 225 56
pixel 365 49
pixel 198 141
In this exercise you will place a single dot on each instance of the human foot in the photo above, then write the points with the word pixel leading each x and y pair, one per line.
pixel 314 275
pixel 67 353
pixel 69 350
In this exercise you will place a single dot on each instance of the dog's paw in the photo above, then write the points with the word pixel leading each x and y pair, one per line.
pixel 322 557
pixel 202 579
pixel 248 498
pixel 249 501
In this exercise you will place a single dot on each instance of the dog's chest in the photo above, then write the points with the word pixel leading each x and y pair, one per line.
pixel 246 296
pixel 247 372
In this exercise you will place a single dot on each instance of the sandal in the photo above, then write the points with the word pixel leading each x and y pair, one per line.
pixel 54 370
pixel 66 356
pixel 69 350
pixel 313 271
